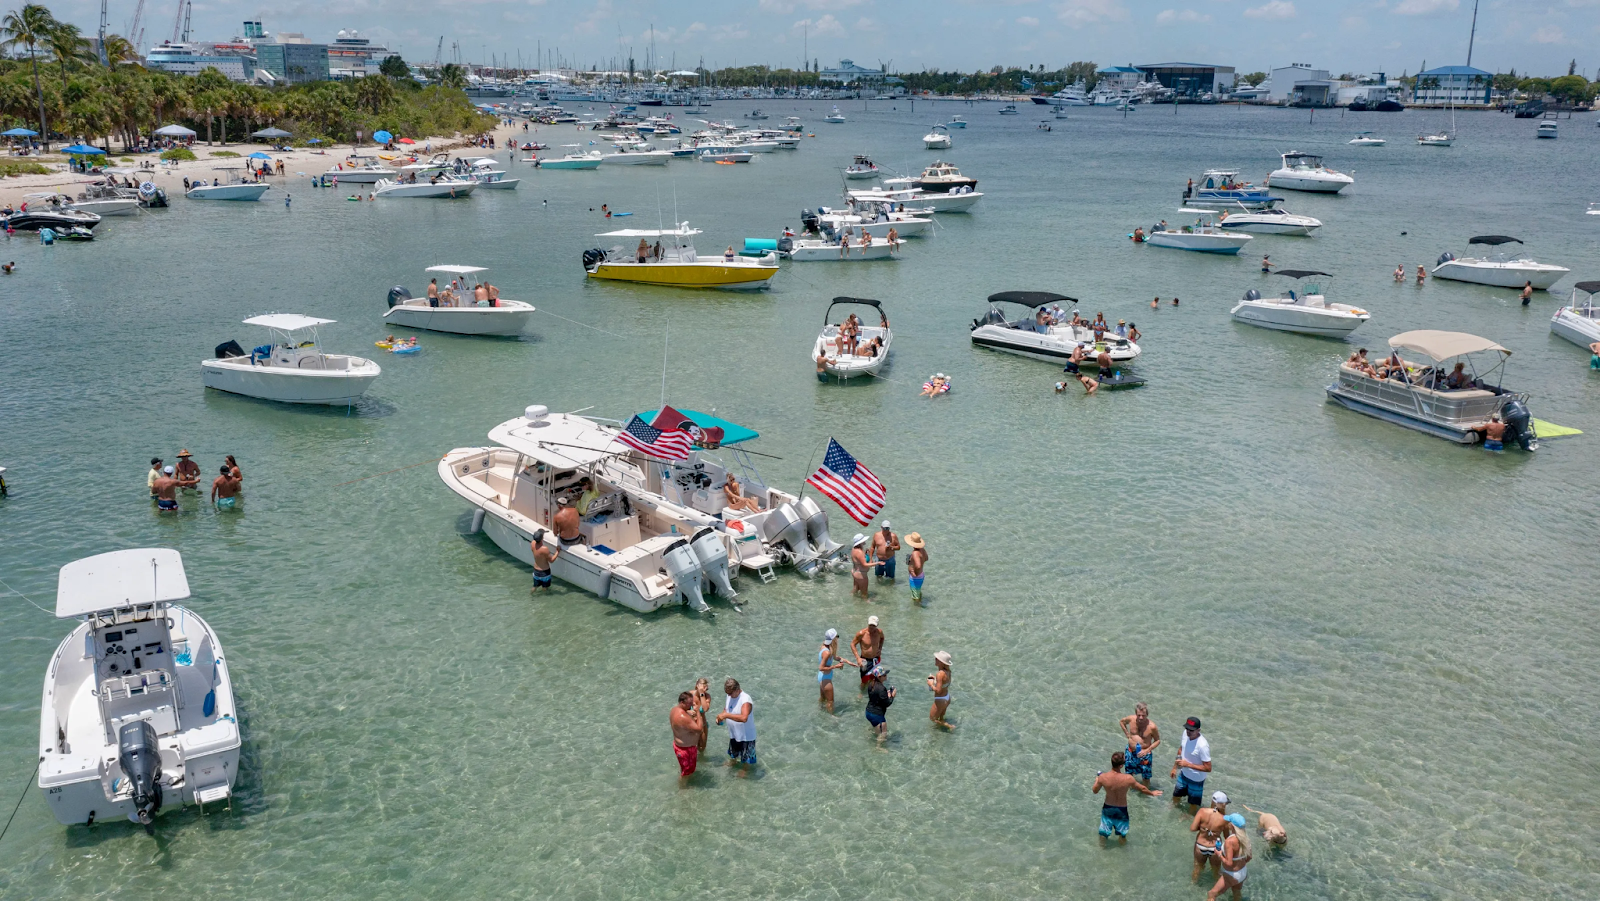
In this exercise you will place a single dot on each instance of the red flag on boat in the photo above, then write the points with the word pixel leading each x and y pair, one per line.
pixel 671 420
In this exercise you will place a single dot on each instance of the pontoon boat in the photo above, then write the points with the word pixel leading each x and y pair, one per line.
pixel 1304 309
pixel 1221 189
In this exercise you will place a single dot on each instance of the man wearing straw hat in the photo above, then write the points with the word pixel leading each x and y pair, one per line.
pixel 915 561
pixel 188 470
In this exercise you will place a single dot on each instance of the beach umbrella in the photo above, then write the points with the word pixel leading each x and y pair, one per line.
pixel 272 133
pixel 407 141
pixel 382 137
pixel 175 131
pixel 314 141
pixel 83 150
pixel 258 155
pixel 19 133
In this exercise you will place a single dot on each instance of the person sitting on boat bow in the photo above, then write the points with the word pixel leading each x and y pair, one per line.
pixel 1359 361
pixel 736 499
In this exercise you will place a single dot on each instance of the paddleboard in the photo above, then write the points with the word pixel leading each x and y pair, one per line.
pixel 1551 430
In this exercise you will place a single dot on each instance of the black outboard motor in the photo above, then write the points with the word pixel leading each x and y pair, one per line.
pixel 141 762
pixel 1252 294
pixel 808 220
pixel 1445 257
pixel 1519 424
pixel 785 244
pixel 592 256
pixel 399 294
pixel 229 348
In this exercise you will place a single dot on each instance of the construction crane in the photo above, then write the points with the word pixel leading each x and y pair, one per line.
pixel 438 53
pixel 179 19
pixel 135 32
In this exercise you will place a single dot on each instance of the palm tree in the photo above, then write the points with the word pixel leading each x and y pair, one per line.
pixel 453 77
pixel 119 50
pixel 31 27
pixel 66 42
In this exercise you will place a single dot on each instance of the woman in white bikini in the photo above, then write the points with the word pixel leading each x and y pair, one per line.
pixel 1235 855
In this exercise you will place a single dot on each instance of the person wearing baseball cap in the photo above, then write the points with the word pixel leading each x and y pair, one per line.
pixel 859 563
pixel 1219 802
pixel 1193 764
pixel 884 545
pixel 828 661
pixel 166 491
pixel 867 646
pixel 155 473
pixel 939 682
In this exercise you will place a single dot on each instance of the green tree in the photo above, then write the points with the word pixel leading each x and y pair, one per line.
pixel 30 27
pixel 67 44
pixel 1253 78
pixel 1570 89
pixel 453 77
pixel 119 50
pixel 394 67
pixel 1506 82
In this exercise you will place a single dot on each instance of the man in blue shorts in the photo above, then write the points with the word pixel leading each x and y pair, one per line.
pixel 1143 739
pixel 1114 812
pixel 1193 764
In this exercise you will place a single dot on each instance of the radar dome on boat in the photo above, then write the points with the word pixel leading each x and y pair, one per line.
pixel 536 414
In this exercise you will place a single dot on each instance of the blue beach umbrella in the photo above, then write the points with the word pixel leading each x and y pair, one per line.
pixel 258 155
pixel 314 141
pixel 382 137
pixel 83 150
pixel 19 133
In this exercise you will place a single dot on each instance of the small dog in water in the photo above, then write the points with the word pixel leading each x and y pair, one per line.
pixel 1271 829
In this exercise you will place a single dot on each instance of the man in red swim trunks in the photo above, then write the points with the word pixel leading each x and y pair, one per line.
pixel 687 727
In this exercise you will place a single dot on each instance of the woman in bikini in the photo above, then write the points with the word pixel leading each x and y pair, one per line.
pixel 939 683
pixel 1234 854
pixel 828 661
pixel 1208 827
pixel 702 703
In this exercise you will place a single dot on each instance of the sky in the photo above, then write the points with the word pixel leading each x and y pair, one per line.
pixel 1358 36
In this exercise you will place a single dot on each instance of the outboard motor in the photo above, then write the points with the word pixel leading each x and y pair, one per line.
pixel 398 294
pixel 808 220
pixel 785 244
pixel 786 527
pixel 1252 294
pixel 1445 257
pixel 817 528
pixel 1518 421
pixel 592 256
pixel 229 348
pixel 138 754
pixel 684 569
pixel 713 555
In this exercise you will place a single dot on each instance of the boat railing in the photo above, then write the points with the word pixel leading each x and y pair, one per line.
pixel 1460 407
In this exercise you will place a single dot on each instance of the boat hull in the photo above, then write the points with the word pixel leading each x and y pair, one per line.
pixel 422 190
pixel 359 176
pixel 570 164
pixel 1294 229
pixel 1499 275
pixel 938 203
pixel 510 318
pixel 830 253
pixel 1300 320
pixel 1287 181
pixel 719 274
pixel 936 143
pixel 289 386
pixel 111 207
pixel 653 158
pixel 227 192
pixel 1577 329
pixel 1345 399
pixel 1041 347
pixel 503 184
pixel 1199 243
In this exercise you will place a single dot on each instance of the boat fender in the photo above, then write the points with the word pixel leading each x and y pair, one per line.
pixel 477 521
pixel 209 706
pixel 1252 294
pixel 1445 257
pixel 398 294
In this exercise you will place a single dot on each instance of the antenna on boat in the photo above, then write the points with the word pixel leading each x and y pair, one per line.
pixel 666 335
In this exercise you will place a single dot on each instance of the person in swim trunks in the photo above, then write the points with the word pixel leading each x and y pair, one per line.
pixel 1143 739
pixel 1114 812
pixel 1208 828
pixel 566 523
pixel 868 648
pixel 687 728
pixel 916 561
pixel 1494 433
pixel 1233 856
pixel 880 694
pixel 885 543
pixel 1193 764
pixel 1594 355
pixel 737 713
pixel 188 472
pixel 225 489
pixel 828 661
pixel 543 556
pixel 939 682
pixel 166 491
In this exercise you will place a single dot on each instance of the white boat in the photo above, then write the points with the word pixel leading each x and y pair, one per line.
pixel 869 217
pixel 494 180
pixel 901 192
pixel 361 173
pixel 291 368
pixel 1009 109
pixel 638 549
pixel 850 365
pixel 1073 96
pixel 573 160
pixel 1202 237
pixel 1442 138
pixel 942 178
pixel 1503 270
pixel 439 162
pixel 1579 322
pixel 460 315
pixel 231 187
pixel 1365 139
pixel 1270 221
pixel 937 138
pixel 103 206
pixel 830 249
pixel 1417 395
pixel 1546 130
pixel 1305 172
pixel 957 122
pixel 629 157
pixel 138 714
pixel 724 155
pixel 1221 189
pixel 438 186
pixel 863 167
pixel 1054 342
pixel 1304 309
pixel 834 117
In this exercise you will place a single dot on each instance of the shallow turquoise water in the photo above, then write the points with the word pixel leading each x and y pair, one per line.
pixel 1390 639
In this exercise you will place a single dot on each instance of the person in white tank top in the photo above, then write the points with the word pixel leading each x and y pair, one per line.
pixel 739 712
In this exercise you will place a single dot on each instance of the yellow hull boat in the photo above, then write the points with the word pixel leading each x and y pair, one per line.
pixel 699 274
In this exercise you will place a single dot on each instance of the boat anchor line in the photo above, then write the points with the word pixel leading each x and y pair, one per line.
pixel 585 325
pixel 23 596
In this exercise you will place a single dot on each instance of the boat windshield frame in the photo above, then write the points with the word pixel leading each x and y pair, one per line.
pixel 860 301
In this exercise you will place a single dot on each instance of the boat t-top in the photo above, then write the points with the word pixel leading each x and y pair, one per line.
pixel 1303 309
pixel 937 138
pixel 850 347
pixel 1503 270
pixel 291 367
pixel 902 192
pixel 1432 397
pixel 863 167
pixel 1546 130
pixel 673 261
pixel 470 306
pixel 1579 321
pixel 943 178
pixel 138 714
pixel 1203 236
pixel 834 116
pixel 1044 332
pixel 1304 172
pixel 230 186
pixel 957 122
pixel 1222 189
pixel 1367 139
pixel 1269 221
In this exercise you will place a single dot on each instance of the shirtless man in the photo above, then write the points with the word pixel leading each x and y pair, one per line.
pixel 1143 739
pixel 868 648
pixel 188 471
pixel 566 523
pixel 687 728
pixel 1114 812
pixel 166 489
pixel 859 562
pixel 885 544
pixel 1271 829
pixel 939 683
pixel 543 556
pixel 1208 828
pixel 1494 433
pixel 1079 354
pixel 916 561
pixel 225 489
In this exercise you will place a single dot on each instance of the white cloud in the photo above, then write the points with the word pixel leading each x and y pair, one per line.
pixel 1549 35
pixel 1027 21
pixel 1077 13
pixel 1425 7
pixel 1275 9
pixel 730 33
pixel 866 24
pixel 827 26
pixel 1175 16
pixel 786 6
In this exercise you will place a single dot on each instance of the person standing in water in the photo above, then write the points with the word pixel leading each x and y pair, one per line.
pixel 939 683
pixel 1235 855
pixel 225 489
pixel 916 562
pixel 1114 812
pixel 868 648
pixel 1193 764
pixel 885 544
pixel 1143 739
pixel 738 713
pixel 166 489
pixel 188 471
pixel 687 729
pixel 155 473
pixel 543 556
pixel 859 564
pixel 702 703
pixel 880 695
pixel 828 661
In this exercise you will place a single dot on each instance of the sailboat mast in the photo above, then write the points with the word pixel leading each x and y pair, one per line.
pixel 1473 36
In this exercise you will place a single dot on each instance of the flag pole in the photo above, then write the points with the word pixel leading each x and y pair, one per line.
pixel 808 472
pixel 666 336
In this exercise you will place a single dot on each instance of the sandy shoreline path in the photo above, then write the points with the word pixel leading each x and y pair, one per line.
pixel 299 163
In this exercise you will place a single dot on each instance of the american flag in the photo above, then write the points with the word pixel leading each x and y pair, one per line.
pixel 662 444
pixel 850 484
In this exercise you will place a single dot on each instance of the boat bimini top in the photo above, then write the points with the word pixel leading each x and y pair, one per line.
pixel 1494 240
pixel 1441 346
pixel 856 300
pixel 1030 299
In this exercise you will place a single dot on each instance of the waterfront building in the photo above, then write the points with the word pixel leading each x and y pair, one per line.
pixel 1190 79
pixel 1460 85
